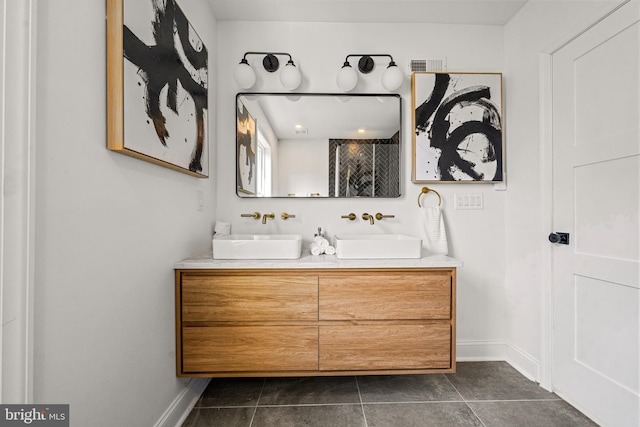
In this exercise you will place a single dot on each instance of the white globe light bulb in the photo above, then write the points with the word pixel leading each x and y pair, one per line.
pixel 392 78
pixel 347 78
pixel 290 76
pixel 244 75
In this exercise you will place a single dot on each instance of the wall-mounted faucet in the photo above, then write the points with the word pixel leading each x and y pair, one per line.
pixel 379 216
pixel 368 217
pixel 286 216
pixel 255 215
pixel 267 216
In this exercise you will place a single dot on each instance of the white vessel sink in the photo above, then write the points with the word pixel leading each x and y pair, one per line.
pixel 257 246
pixel 368 246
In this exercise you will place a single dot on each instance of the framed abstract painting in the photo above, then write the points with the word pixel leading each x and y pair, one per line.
pixel 457 127
pixel 157 78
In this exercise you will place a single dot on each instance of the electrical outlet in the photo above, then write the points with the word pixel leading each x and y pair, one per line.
pixel 469 201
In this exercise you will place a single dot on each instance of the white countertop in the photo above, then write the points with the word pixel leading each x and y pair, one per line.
pixel 307 260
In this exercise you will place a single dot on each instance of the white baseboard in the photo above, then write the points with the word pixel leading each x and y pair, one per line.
pixel 492 350
pixel 182 405
pixel 522 361
pixel 481 350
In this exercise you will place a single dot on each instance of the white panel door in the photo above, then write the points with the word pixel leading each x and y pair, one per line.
pixel 596 189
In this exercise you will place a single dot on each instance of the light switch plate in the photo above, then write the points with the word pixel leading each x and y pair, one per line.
pixel 469 202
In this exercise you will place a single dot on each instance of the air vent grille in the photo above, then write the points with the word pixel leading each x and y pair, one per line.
pixel 432 64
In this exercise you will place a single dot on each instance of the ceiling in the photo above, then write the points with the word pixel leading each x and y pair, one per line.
pixel 481 12
pixel 328 116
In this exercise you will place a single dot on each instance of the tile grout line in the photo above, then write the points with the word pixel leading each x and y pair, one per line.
pixel 402 402
pixel 411 402
pixel 255 409
pixel 510 400
pixel 465 401
pixel 297 405
pixel 364 416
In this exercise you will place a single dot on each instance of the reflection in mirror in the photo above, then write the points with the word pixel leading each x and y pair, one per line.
pixel 318 145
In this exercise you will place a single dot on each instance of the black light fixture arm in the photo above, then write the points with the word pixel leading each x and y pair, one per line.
pixel 366 64
pixel 270 61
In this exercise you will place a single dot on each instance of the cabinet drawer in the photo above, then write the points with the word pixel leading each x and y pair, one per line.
pixel 249 297
pixel 249 348
pixel 379 296
pixel 385 346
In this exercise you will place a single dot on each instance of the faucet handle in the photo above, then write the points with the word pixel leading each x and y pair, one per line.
pixel 286 216
pixel 350 217
pixel 255 215
pixel 379 216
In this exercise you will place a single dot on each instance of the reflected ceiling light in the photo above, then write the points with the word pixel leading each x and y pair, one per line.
pixel 347 78
pixel 300 130
pixel 245 75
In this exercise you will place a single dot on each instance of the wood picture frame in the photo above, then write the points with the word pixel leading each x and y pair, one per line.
pixel 457 124
pixel 157 79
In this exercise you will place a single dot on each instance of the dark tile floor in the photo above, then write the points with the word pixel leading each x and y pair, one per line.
pixel 480 394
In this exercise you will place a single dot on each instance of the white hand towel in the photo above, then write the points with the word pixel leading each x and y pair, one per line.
pixel 322 242
pixel 434 236
pixel 330 250
pixel 315 249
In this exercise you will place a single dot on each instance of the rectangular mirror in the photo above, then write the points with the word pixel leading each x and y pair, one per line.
pixel 318 145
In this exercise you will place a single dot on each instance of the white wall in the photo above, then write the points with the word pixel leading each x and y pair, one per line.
pixel 303 166
pixel 17 219
pixel 319 49
pixel 109 228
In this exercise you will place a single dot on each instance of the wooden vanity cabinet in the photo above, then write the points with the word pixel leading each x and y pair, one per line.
pixel 304 322
pixel 386 320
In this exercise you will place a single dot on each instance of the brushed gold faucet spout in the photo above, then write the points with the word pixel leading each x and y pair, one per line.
pixel 368 217
pixel 267 216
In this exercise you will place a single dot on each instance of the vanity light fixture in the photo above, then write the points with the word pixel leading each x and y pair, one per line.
pixel 245 76
pixel 347 78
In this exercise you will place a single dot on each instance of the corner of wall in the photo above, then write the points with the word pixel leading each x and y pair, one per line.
pixel 499 350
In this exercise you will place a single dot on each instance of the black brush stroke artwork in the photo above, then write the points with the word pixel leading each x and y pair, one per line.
pixel 433 116
pixel 161 65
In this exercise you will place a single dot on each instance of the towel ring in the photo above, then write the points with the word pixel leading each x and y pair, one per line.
pixel 426 190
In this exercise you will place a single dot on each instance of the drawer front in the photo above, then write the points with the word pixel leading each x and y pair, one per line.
pixel 385 347
pixel 249 348
pixel 379 296
pixel 249 297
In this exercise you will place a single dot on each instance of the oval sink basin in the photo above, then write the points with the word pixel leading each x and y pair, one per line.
pixel 368 246
pixel 257 246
